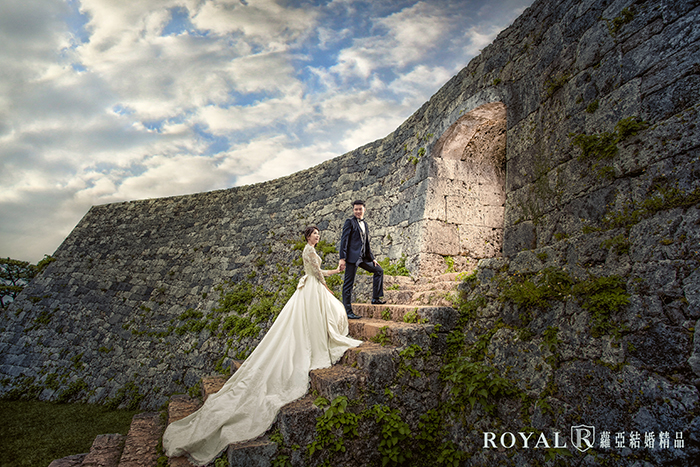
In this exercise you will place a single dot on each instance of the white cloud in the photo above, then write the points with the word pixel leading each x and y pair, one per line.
pixel 262 72
pixel 403 38
pixel 327 37
pixel 416 31
pixel 478 37
pixel 234 119
pixel 273 158
pixel 262 21
pixel 356 107
pixel 165 176
pixel 418 83
pixel 158 77
pixel 368 130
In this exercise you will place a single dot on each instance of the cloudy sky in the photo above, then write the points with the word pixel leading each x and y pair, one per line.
pixel 112 100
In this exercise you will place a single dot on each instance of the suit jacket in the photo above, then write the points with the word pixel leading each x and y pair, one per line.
pixel 354 245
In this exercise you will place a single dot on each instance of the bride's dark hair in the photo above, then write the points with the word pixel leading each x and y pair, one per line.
pixel 309 230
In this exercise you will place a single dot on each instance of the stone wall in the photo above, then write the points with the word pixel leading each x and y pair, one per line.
pixel 113 310
pixel 106 310
pixel 601 179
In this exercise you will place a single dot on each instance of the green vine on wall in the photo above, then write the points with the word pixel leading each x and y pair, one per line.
pixel 398 444
pixel 397 268
pixel 475 382
pixel 334 426
pixel 626 16
pixel 602 147
pixel 552 85
pixel 664 198
pixel 396 435
pixel 601 296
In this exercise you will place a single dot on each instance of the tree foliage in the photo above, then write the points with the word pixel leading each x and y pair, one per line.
pixel 15 275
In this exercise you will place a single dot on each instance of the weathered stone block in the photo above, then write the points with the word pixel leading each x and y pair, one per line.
pixel 297 421
pixel 480 241
pixel 519 237
pixel 337 381
pixel 694 359
pixel 105 450
pixel 663 349
pixel 439 238
pixel 69 461
pixel 258 452
pixel 141 444
pixel 521 361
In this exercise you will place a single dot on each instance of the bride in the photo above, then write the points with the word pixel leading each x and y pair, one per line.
pixel 310 332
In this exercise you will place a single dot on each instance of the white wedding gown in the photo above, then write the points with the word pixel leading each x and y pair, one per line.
pixel 310 332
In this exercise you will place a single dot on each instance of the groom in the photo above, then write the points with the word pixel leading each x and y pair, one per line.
pixel 355 252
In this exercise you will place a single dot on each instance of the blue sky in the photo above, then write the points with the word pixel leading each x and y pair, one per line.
pixel 104 101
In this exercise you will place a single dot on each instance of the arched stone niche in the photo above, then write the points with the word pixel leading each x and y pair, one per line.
pixel 464 208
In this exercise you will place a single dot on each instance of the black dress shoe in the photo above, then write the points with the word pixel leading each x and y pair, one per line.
pixel 353 316
pixel 378 302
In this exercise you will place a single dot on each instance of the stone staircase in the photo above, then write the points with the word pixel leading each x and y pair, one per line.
pixel 417 313
pixel 139 448
pixel 403 290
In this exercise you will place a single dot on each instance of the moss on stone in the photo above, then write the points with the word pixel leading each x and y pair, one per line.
pixel 626 16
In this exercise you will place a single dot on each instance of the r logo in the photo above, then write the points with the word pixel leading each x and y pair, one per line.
pixel 582 437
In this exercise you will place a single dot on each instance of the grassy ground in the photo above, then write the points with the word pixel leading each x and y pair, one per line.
pixel 32 434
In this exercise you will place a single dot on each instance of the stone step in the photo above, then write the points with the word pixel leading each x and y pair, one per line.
pixel 432 287
pixel 447 277
pixel 433 298
pixel 297 421
pixel 139 448
pixel 180 406
pixel 258 452
pixel 446 316
pixel 338 380
pixel 105 451
pixel 398 297
pixel 378 362
pixel 400 281
pixel 434 291
pixel 391 332
pixel 401 289
pixel 235 365
pixel 407 281
pixel 141 445
pixel 179 462
pixel 406 297
pixel 70 461
pixel 370 365
pixel 212 384
pixel 422 285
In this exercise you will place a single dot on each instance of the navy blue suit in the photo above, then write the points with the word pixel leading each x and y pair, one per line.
pixel 355 250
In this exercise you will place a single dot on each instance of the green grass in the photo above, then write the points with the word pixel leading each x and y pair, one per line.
pixel 33 433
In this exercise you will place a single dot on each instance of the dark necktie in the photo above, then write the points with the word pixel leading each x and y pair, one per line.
pixel 363 236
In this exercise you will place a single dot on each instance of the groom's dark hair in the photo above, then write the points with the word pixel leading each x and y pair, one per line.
pixel 359 201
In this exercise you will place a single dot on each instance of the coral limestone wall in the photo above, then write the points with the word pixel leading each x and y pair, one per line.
pixel 135 297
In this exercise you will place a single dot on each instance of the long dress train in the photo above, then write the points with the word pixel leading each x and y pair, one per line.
pixel 310 332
